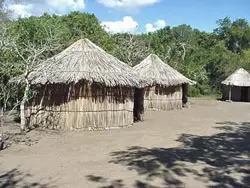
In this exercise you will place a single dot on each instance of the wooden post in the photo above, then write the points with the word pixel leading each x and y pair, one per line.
pixel 230 93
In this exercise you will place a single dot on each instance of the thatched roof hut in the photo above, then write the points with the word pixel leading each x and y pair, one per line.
pixel 83 60
pixel 83 87
pixel 166 89
pixel 159 73
pixel 236 87
pixel 240 78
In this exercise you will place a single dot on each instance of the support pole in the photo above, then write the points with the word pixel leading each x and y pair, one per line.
pixel 230 93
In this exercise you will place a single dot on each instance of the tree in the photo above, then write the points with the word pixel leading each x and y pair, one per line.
pixel 223 29
pixel 30 54
pixel 131 48
pixel 6 91
pixel 3 42
pixel 239 36
pixel 236 34
pixel 85 25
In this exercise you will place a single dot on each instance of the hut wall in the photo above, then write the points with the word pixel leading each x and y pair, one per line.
pixel 235 93
pixel 83 107
pixel 225 92
pixel 248 97
pixel 163 98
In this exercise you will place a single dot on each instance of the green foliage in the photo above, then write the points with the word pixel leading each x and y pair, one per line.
pixel 236 35
pixel 207 58
pixel 130 48
pixel 84 25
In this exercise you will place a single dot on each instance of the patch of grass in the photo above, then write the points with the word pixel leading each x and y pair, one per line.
pixel 207 97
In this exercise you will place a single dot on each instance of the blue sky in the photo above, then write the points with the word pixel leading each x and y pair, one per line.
pixel 147 15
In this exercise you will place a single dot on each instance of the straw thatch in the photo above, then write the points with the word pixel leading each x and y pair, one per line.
pixel 159 73
pixel 84 61
pixel 82 106
pixel 168 87
pixel 163 98
pixel 236 87
pixel 83 87
pixel 239 78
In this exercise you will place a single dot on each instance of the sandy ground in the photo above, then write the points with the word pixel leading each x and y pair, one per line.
pixel 206 145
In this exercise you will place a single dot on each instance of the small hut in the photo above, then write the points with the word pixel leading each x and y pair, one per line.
pixel 168 88
pixel 236 87
pixel 83 87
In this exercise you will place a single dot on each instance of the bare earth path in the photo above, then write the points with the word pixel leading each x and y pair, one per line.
pixel 207 145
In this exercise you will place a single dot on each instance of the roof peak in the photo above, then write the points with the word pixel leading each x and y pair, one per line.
pixel 84 60
pixel 84 45
pixel 161 73
pixel 153 55
pixel 155 59
pixel 84 40
pixel 241 71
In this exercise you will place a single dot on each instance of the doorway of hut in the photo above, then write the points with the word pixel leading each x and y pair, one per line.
pixel 244 94
pixel 184 95
pixel 138 104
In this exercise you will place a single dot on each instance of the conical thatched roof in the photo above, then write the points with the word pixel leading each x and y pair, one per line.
pixel 160 73
pixel 239 78
pixel 83 60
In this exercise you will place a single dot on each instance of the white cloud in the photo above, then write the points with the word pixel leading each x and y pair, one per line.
pixel 155 26
pixel 127 24
pixel 62 6
pixel 20 10
pixel 134 4
pixel 160 23
pixel 38 7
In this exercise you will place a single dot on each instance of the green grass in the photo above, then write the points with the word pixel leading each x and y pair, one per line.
pixel 207 97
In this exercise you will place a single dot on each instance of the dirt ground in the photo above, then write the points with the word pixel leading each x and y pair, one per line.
pixel 207 145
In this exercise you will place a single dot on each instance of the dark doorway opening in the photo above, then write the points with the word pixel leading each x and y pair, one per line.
pixel 244 94
pixel 184 94
pixel 138 104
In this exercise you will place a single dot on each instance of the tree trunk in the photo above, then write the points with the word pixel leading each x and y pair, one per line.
pixel 22 108
pixel 1 119
pixel 184 52
pixel 1 129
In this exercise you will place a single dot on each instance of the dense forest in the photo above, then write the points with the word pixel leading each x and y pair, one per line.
pixel 207 58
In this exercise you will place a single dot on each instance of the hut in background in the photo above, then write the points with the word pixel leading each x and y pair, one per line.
pixel 168 88
pixel 83 87
pixel 236 87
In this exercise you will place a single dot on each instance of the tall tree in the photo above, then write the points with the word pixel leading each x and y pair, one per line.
pixel 31 52
pixel 131 48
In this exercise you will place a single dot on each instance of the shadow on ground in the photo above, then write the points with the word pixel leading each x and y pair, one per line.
pixel 223 159
pixel 107 183
pixel 15 178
